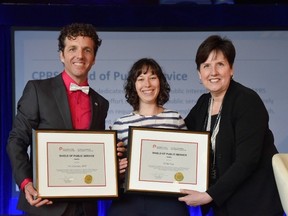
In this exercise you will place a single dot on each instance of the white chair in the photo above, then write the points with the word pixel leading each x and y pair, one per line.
pixel 280 168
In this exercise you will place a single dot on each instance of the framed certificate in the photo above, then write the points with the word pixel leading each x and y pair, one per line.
pixel 75 164
pixel 167 160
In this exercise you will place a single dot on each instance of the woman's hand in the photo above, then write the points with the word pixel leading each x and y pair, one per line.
pixel 123 163
pixel 31 196
pixel 121 150
pixel 195 198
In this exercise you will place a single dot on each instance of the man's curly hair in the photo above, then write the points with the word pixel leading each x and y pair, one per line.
pixel 78 29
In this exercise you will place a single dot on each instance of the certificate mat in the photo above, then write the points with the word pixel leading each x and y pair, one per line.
pixel 167 160
pixel 75 164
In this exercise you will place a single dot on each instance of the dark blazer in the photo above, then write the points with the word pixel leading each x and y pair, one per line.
pixel 44 105
pixel 244 149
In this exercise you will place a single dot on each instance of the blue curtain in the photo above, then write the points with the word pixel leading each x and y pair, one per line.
pixel 6 117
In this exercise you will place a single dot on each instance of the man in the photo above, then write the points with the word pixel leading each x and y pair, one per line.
pixel 50 104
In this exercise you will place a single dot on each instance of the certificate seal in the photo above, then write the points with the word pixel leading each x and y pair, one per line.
pixel 88 179
pixel 179 176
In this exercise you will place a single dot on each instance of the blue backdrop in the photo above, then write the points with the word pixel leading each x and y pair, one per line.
pixel 6 117
pixel 188 17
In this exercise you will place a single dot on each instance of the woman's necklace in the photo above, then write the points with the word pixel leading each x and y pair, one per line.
pixel 213 169
pixel 216 125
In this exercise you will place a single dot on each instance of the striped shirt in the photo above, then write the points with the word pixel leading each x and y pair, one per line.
pixel 169 119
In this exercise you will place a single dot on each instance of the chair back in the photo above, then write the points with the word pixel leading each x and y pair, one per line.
pixel 280 169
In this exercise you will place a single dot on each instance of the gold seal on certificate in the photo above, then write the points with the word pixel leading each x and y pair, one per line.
pixel 179 176
pixel 88 179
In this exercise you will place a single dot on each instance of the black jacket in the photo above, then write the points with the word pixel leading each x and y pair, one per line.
pixel 44 105
pixel 244 150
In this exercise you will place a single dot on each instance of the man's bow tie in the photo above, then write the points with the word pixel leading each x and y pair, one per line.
pixel 74 87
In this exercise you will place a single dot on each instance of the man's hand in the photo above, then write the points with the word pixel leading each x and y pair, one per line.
pixel 32 196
